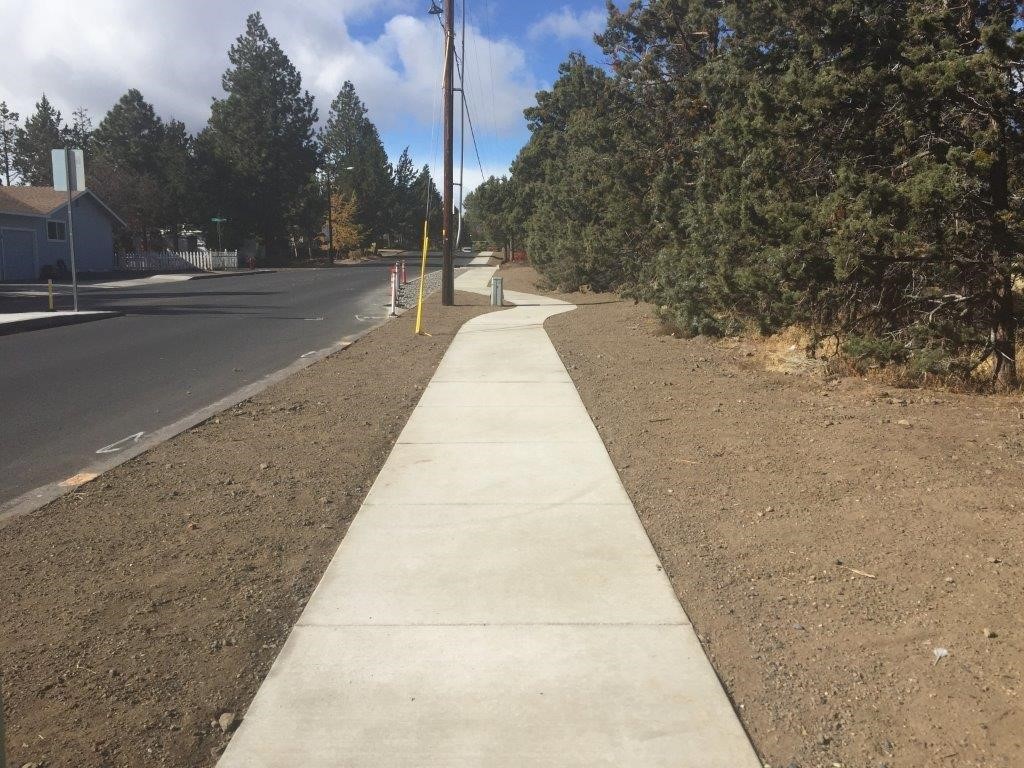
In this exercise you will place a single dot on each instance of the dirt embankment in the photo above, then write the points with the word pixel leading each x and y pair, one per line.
pixel 829 539
pixel 139 610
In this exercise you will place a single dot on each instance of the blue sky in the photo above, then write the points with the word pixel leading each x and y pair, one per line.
pixel 175 51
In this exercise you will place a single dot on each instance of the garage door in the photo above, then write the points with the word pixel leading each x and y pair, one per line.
pixel 17 254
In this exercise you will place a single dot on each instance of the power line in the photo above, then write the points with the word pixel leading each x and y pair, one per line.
pixel 469 117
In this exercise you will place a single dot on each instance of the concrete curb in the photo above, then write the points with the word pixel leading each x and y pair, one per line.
pixel 38 497
pixel 54 321
pixel 41 496
pixel 240 273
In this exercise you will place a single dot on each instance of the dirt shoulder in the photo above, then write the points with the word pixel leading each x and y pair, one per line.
pixel 825 538
pixel 138 610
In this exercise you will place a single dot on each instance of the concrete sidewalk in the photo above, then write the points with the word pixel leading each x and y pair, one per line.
pixel 496 601
pixel 17 322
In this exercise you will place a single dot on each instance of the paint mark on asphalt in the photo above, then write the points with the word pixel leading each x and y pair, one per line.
pixel 80 479
pixel 369 318
pixel 121 444
pixel 308 354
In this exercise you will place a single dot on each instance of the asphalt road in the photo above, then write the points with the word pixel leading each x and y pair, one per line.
pixel 68 392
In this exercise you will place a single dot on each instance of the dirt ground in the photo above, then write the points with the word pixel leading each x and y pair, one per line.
pixel 139 610
pixel 828 538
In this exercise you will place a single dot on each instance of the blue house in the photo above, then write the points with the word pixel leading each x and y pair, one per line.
pixel 33 232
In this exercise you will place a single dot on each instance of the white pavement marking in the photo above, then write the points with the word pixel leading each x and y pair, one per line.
pixel 121 444
pixel 496 602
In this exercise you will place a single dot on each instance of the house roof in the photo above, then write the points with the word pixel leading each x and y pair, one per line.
pixel 43 201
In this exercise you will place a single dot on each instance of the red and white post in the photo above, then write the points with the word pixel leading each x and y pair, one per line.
pixel 394 289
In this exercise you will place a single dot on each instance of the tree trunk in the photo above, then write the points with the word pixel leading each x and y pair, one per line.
pixel 1004 331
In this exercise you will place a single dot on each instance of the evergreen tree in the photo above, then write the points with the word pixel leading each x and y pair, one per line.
pixel 570 183
pixel 79 133
pixel 8 132
pixel 126 167
pixel 259 144
pixel 491 212
pixel 407 210
pixel 176 171
pixel 427 199
pixel 851 166
pixel 355 159
pixel 130 135
pixel 43 131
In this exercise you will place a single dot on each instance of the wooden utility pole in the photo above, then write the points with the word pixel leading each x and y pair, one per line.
pixel 447 264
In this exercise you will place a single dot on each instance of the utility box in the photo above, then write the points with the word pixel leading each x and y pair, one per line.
pixel 497 294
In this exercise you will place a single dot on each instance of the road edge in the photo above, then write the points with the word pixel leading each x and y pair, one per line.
pixel 40 323
pixel 39 497
pixel 33 500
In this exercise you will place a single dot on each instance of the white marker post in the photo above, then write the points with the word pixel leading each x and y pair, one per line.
pixel 394 290
pixel 69 174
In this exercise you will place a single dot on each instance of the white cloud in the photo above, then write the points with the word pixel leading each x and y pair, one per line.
pixel 89 52
pixel 567 24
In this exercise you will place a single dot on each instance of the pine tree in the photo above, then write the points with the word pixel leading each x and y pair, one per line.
pixel 79 133
pixel 259 143
pixel 126 168
pixel 43 131
pixel 407 215
pixel 427 199
pixel 176 171
pixel 355 158
pixel 8 132
pixel 130 135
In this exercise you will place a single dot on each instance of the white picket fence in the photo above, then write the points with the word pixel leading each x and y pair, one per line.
pixel 178 261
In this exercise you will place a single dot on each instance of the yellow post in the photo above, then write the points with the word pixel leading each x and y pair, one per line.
pixel 423 279
pixel 49 290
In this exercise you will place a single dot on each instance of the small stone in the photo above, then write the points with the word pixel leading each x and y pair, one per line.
pixel 950 580
pixel 226 722
pixel 903 423
pixel 264 466
pixel 989 632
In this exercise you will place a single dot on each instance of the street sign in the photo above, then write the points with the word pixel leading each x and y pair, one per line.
pixel 73 166
pixel 69 176
pixel 218 220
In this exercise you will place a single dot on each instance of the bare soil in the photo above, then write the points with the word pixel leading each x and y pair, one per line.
pixel 826 536
pixel 140 609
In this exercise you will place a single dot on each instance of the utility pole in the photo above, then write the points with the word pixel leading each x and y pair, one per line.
pixel 447 264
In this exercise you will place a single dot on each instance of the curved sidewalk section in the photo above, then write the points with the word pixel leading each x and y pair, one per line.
pixel 496 601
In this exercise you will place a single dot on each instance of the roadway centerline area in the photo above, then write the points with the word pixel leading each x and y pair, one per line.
pixel 75 394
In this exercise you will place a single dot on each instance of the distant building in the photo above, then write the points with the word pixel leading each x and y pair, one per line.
pixel 33 232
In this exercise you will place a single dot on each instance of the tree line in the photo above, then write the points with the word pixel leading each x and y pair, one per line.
pixel 282 183
pixel 852 166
